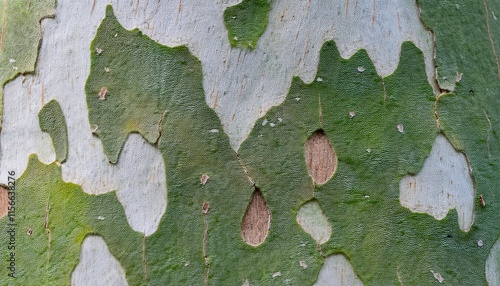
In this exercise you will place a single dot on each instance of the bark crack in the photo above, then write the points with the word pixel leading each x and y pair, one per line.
pixel 399 277
pixel 373 13
pixel 160 128
pixel 144 260
pixel 320 112
pixel 47 229
pixel 205 209
pixel 490 37
pixel 489 132
pixel 385 90
pixel 438 91
pixel 243 166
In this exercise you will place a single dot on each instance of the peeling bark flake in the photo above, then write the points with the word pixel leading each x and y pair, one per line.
pixel 204 179
pixel 102 93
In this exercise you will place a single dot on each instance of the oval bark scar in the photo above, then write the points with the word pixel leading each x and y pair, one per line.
pixel 257 220
pixel 321 159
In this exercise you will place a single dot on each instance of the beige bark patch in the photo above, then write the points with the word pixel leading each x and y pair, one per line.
pixel 312 219
pixel 97 266
pixel 257 220
pixel 4 201
pixel 493 265
pixel 337 271
pixel 444 183
pixel 321 160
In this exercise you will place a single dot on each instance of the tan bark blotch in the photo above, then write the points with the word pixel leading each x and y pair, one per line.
pixel 257 220
pixel 4 201
pixel 321 159
pixel 311 218
pixel 205 208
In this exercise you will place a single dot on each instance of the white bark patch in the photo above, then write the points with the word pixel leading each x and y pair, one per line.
pixel 493 265
pixel 242 85
pixel 312 219
pixel 62 69
pixel 444 183
pixel 97 266
pixel 337 271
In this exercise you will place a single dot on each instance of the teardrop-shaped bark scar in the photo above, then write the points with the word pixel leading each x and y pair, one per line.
pixel 321 159
pixel 257 220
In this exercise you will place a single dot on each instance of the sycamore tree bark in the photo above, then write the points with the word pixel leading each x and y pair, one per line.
pixel 250 142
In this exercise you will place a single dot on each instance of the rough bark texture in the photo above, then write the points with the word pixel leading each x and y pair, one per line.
pixel 249 142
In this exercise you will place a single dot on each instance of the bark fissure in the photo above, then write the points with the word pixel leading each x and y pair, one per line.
pixel 245 170
pixel 144 259
pixel 205 209
pixel 490 37
pixel 489 133
pixel 47 229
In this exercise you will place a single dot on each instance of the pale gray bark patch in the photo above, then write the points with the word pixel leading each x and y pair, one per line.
pixel 493 265
pixel 144 196
pixel 444 183
pixel 312 219
pixel 21 135
pixel 97 266
pixel 337 270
